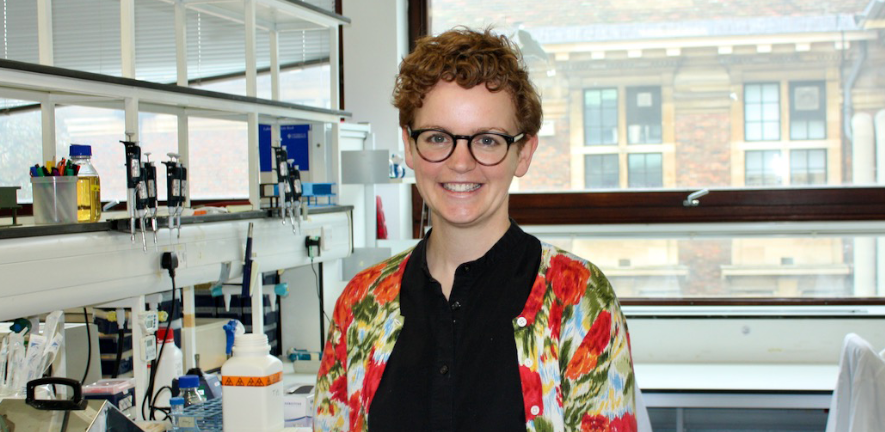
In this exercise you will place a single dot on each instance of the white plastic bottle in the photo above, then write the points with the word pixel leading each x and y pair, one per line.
pixel 252 387
pixel 171 366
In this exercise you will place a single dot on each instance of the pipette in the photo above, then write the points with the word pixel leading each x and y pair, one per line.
pixel 135 188
pixel 283 188
pixel 150 176
pixel 297 191
pixel 174 195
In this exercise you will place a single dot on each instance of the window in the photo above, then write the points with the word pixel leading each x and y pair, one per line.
pixel 643 115
pixel 808 167
pixel 601 116
pixel 808 110
pixel 763 168
pixel 747 104
pixel 762 120
pixel 601 171
pixel 644 170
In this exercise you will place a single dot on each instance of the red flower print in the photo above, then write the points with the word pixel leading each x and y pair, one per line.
pixel 584 359
pixel 555 319
pixel 328 359
pixel 339 389
pixel 568 278
pixel 535 300
pixel 596 423
pixel 358 286
pixel 374 371
pixel 625 423
pixel 531 392
pixel 356 418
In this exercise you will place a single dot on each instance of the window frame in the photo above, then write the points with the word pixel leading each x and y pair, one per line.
pixel 748 205
pixel 762 121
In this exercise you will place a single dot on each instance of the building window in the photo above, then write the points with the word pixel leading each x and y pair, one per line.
pixel 644 170
pixel 808 110
pixel 643 115
pixel 762 118
pixel 601 171
pixel 762 168
pixel 601 116
pixel 808 167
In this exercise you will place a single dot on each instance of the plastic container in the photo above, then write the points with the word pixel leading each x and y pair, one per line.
pixel 252 387
pixel 118 391
pixel 88 184
pixel 55 200
pixel 170 366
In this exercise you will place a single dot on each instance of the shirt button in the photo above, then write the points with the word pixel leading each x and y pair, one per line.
pixel 456 306
pixel 521 321
pixel 535 410
pixel 443 370
pixel 529 363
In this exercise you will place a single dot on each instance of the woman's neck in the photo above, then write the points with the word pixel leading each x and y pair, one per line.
pixel 448 247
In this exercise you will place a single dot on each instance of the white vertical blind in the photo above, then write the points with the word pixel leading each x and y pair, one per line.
pixel 86 36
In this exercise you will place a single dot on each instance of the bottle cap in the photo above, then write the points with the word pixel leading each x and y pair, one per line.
pixel 81 150
pixel 177 400
pixel 188 381
pixel 162 336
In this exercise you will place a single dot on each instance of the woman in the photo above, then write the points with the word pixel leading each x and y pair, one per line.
pixel 481 326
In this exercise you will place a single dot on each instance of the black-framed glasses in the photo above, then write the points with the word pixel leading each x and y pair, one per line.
pixel 487 148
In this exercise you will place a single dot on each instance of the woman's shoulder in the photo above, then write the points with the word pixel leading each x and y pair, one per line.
pixel 572 276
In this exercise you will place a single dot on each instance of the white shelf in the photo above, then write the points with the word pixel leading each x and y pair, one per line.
pixel 46 273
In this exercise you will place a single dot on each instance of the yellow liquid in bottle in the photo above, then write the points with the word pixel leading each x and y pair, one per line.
pixel 88 199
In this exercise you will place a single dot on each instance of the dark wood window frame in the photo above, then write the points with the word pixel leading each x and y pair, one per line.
pixel 824 204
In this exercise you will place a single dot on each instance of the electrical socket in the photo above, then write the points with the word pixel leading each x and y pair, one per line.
pixel 312 243
pixel 149 347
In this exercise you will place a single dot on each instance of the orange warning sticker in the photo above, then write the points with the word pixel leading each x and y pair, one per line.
pixel 265 381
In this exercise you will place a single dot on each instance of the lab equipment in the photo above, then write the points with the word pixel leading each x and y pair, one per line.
pixel 252 386
pixel 176 190
pixel 55 199
pixel 289 188
pixel 169 366
pixel 150 178
pixel 135 188
pixel 188 386
pixel 75 414
pixel 88 183
pixel 177 407
pixel 247 264
pixel 118 391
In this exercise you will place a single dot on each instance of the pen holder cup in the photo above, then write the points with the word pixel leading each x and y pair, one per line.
pixel 55 200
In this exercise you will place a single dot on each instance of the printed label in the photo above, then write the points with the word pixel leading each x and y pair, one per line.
pixel 236 381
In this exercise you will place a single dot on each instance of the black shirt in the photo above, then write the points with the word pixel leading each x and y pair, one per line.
pixel 454 366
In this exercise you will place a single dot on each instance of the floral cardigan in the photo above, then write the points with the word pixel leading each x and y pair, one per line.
pixel 571 340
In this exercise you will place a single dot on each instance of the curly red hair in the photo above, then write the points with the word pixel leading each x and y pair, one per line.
pixel 468 58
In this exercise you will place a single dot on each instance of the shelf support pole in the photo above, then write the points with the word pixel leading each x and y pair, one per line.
pixel 254 162
pixel 181 44
pixel 274 64
pixel 44 32
pixel 47 123
pixel 251 61
pixel 334 69
pixel 127 38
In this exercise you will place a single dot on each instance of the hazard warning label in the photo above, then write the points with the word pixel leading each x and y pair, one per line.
pixel 238 381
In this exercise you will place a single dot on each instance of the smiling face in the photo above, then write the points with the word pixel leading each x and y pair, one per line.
pixel 460 192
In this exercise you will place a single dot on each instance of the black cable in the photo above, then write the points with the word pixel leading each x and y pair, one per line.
pixel 149 399
pixel 317 278
pixel 88 346
pixel 121 336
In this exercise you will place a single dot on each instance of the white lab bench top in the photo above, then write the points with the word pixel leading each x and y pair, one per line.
pixel 799 386
pixel 784 386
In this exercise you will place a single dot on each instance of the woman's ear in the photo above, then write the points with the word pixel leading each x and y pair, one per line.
pixel 525 156
pixel 407 146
